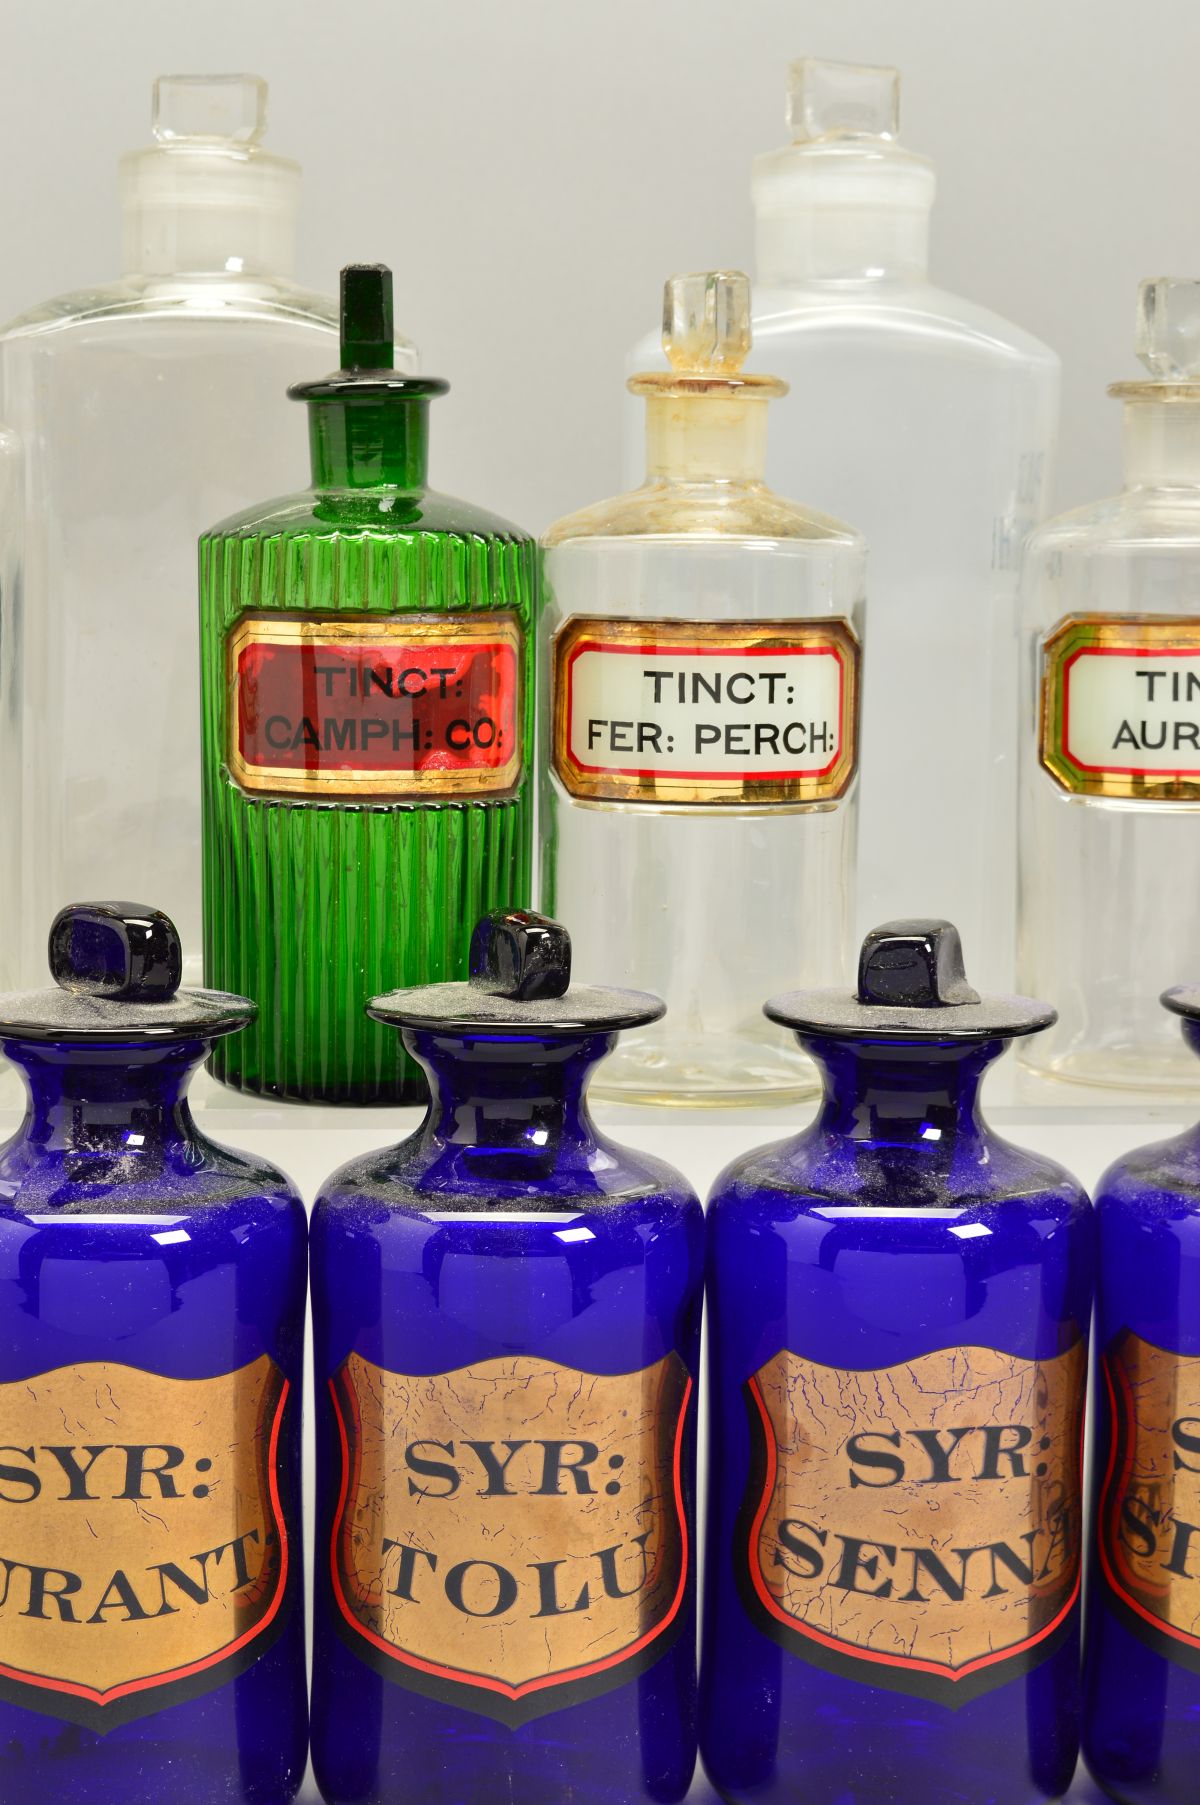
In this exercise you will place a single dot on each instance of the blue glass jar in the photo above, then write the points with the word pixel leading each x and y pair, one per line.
pixel 1141 1712
pixel 506 1315
pixel 151 1336
pixel 898 1312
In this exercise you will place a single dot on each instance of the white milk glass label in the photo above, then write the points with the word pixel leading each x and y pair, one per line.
pixel 741 713
pixel 1121 707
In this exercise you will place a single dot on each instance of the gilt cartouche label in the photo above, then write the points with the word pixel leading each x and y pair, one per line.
pixel 738 713
pixel 916 1526
pixel 143 1550
pixel 399 707
pixel 1120 708
pixel 511 1537
pixel 1149 1534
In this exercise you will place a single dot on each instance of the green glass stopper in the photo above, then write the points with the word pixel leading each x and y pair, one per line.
pixel 367 325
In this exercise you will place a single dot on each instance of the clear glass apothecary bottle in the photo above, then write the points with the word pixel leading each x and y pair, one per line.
pixel 12 531
pixel 148 407
pixel 699 707
pixel 1110 719
pixel 928 422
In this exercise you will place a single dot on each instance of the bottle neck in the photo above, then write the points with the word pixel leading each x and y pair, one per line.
pixel 706 438
pixel 162 242
pixel 124 1098
pixel 208 212
pixel 369 444
pixel 1162 443
pixel 501 1094
pixel 825 244
pixel 902 1093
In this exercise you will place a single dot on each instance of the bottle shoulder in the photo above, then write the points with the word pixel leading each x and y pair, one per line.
pixel 100 1168
pixel 183 299
pixel 702 510
pixel 1156 1183
pixel 246 1175
pixel 1131 517
pixel 209 1188
pixel 931 322
pixel 609 1188
pixel 934 322
pixel 815 1172
pixel 359 514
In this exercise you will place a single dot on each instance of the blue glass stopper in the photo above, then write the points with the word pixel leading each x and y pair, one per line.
pixel 116 949
pixel 913 965
pixel 520 955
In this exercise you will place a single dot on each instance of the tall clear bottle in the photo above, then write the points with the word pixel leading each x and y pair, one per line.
pixel 12 532
pixel 1110 717
pixel 148 407
pixel 929 422
pixel 699 685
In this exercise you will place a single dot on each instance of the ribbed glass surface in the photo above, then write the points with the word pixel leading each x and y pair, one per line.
pixel 311 908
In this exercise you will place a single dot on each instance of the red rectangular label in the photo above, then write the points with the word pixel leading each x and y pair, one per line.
pixel 402 708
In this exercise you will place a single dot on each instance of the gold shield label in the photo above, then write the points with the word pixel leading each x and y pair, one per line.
pixel 916 1526
pixel 1149 1540
pixel 393 707
pixel 511 1537
pixel 143 1547
pixel 1120 710
pixel 743 714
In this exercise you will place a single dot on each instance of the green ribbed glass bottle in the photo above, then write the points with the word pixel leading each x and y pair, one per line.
pixel 367 688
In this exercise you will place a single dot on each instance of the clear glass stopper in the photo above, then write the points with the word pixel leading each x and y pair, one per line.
pixel 706 321
pixel 842 100
pixel 1168 328
pixel 223 108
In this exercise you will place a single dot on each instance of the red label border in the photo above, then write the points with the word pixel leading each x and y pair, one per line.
pixel 653 649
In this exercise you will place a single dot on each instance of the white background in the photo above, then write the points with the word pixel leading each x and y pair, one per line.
pixel 533 169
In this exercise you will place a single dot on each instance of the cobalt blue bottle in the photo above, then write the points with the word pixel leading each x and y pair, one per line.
pixel 506 1315
pixel 898 1313
pixel 151 1336
pixel 1141 1700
